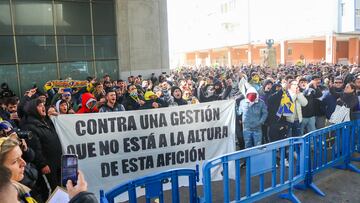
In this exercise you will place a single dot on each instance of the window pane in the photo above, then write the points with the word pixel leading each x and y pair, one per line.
pixel 76 70
pixel 33 17
pixel 5 19
pixel 74 48
pixel 104 12
pixel 7 53
pixel 9 75
pixel 107 67
pixel 35 48
pixel 73 18
pixel 38 74
pixel 105 47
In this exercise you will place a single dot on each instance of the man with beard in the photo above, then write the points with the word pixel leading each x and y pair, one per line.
pixel 311 92
pixel 111 105
pixel 10 112
pixel 330 97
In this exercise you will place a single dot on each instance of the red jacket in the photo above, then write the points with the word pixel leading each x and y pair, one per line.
pixel 84 99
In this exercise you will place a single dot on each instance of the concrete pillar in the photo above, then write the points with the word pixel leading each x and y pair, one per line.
pixel 208 58
pixel 354 50
pixel 250 50
pixel 283 51
pixel 142 37
pixel 197 59
pixel 229 57
pixel 330 49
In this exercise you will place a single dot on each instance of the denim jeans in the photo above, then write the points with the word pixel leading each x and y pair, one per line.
pixel 293 129
pixel 309 124
pixel 252 137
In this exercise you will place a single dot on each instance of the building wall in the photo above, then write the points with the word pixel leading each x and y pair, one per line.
pixel 143 37
pixel 299 49
pixel 56 40
pixel 342 49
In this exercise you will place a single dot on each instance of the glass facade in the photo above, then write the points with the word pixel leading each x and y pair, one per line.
pixel 42 40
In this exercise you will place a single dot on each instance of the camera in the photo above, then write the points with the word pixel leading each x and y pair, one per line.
pixel 22 134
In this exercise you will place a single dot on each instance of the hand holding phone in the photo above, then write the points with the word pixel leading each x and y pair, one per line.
pixel 80 187
pixel 69 169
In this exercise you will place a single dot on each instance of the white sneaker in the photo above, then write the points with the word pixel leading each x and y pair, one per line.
pixel 286 163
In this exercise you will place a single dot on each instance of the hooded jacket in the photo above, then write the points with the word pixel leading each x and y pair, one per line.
pixel 180 101
pixel 45 141
pixel 254 113
pixel 84 100
pixel 149 101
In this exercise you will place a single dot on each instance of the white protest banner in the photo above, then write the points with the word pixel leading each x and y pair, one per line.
pixel 120 146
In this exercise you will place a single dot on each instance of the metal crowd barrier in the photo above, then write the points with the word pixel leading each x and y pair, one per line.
pixel 329 147
pixel 307 156
pixel 260 161
pixel 154 187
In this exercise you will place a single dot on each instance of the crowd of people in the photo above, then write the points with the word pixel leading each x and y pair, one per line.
pixel 271 104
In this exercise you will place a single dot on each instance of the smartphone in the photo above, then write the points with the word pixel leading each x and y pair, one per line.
pixel 69 169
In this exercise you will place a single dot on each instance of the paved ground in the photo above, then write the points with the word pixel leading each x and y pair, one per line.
pixel 340 186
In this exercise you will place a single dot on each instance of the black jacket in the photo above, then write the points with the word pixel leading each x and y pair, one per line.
pixel 45 141
pixel 130 103
pixel 273 106
pixel 84 197
pixel 350 101
pixel 311 94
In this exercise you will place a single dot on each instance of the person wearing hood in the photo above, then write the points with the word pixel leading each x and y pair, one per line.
pixel 254 113
pixel 218 90
pixel 266 90
pixel 255 81
pixel 177 97
pixel 151 100
pixel 29 95
pixel 60 107
pixel 46 144
pixel 88 104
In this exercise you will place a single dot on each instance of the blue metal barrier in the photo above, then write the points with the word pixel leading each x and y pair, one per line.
pixel 355 137
pixel 154 187
pixel 329 147
pixel 308 155
pixel 259 161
